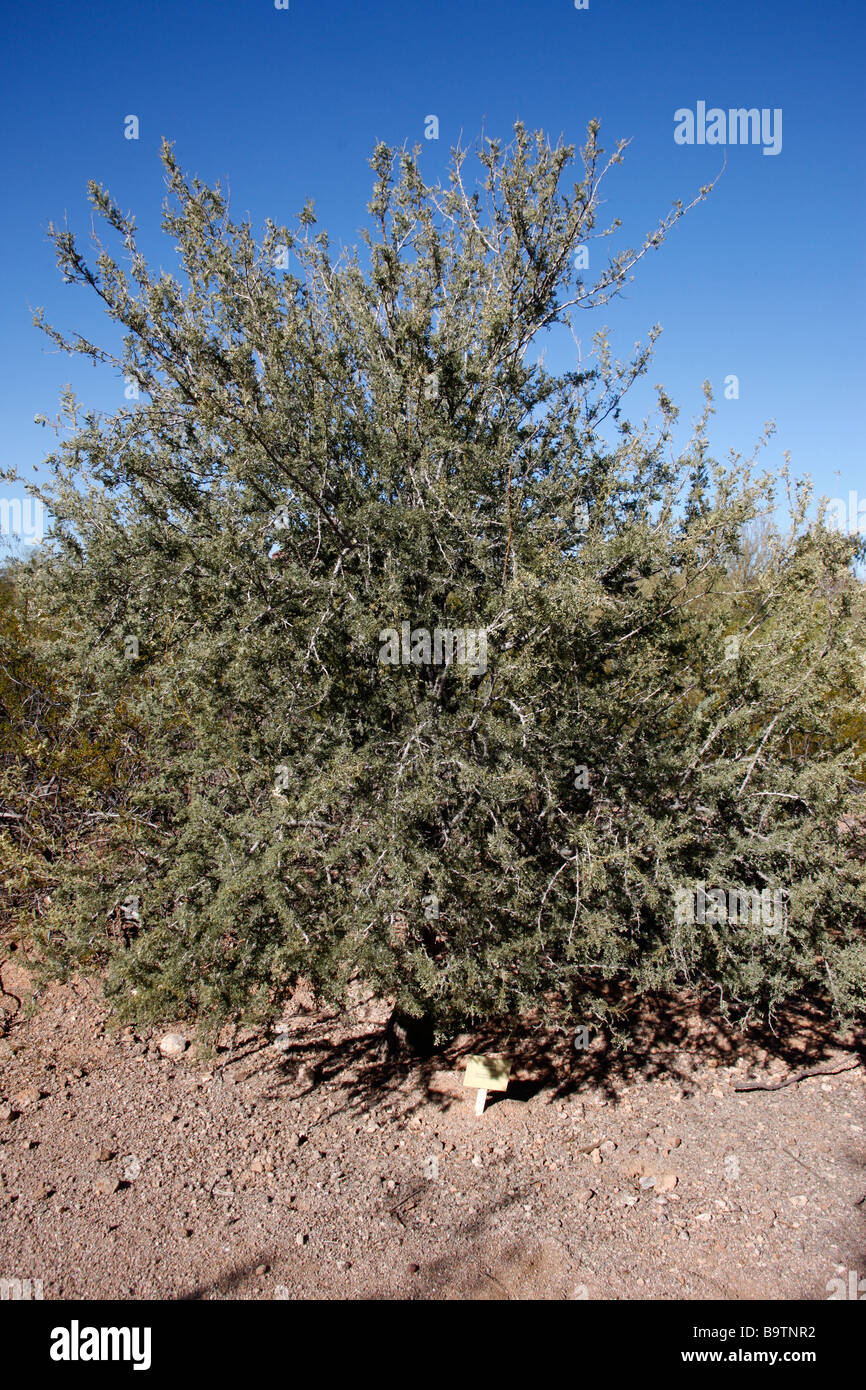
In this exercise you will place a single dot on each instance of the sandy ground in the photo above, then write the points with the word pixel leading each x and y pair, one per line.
pixel 300 1164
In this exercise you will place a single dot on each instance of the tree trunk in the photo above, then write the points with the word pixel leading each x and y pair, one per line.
pixel 407 1036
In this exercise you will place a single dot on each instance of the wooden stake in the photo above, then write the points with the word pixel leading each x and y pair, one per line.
pixel 485 1074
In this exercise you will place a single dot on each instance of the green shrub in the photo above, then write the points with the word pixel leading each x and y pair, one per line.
pixel 321 456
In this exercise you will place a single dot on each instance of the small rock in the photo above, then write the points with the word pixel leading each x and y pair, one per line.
pixel 584 1195
pixel 6 1113
pixel 413 1268
pixel 103 1187
pixel 131 1168
pixel 42 1192
pixel 29 1096
pixel 608 1148
pixel 104 1155
pixel 282 1043
pixel 301 1238
pixel 595 1157
pixel 262 1269
pixel 173 1045
pixel 666 1182
pixel 648 1181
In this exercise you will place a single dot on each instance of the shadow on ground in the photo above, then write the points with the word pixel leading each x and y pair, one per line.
pixel 659 1037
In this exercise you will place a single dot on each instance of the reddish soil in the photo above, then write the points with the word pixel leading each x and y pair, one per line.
pixel 299 1164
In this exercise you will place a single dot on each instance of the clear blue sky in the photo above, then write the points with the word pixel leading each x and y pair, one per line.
pixel 765 280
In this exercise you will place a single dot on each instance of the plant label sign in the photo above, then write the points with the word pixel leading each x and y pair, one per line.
pixel 486 1074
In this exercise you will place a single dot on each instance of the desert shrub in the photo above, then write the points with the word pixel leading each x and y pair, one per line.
pixel 319 456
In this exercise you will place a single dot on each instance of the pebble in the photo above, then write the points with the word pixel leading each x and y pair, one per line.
pixel 662 1182
pixel 173 1045
pixel 131 1167
pixel 29 1096
pixel 103 1187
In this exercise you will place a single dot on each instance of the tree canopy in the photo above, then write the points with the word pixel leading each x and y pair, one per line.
pixel 331 456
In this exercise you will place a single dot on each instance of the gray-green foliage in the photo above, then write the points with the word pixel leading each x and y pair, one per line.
pixel 322 452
